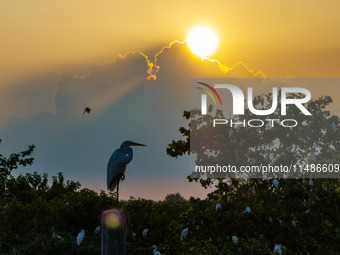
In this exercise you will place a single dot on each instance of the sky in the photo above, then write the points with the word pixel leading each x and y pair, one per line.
pixel 58 57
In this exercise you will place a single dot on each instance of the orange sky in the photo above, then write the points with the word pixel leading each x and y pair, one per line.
pixel 283 38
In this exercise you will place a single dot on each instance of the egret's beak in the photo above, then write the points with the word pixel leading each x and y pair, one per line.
pixel 137 144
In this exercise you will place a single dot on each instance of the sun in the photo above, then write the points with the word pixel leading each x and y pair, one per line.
pixel 202 40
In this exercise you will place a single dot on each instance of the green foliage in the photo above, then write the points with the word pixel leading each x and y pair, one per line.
pixel 315 210
pixel 41 216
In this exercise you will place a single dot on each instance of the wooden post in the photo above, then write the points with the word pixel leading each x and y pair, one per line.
pixel 113 232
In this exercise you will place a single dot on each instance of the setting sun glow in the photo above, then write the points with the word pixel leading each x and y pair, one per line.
pixel 202 40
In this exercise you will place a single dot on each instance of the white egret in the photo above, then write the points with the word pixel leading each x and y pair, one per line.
pixel 218 207
pixel 277 249
pixel 145 232
pixel 57 236
pixel 247 210
pixel 117 165
pixel 235 239
pixel 231 132
pixel 87 110
pixel 155 252
pixel 184 233
pixel 133 236
pixel 80 237
pixel 270 219
pixel 262 101
pixel 97 230
pixel 304 202
pixel 312 156
pixel 280 221
pixel 310 182
pixel 293 223
pixel 276 183
pixel 334 126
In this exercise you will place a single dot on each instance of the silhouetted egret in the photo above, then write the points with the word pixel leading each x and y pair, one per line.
pixel 80 237
pixel 155 252
pixel 87 110
pixel 117 165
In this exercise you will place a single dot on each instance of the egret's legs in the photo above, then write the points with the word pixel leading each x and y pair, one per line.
pixel 122 178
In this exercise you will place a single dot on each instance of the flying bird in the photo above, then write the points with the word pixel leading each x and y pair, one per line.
pixel 80 237
pixel 184 233
pixel 117 164
pixel 155 252
pixel 235 239
pixel 87 110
